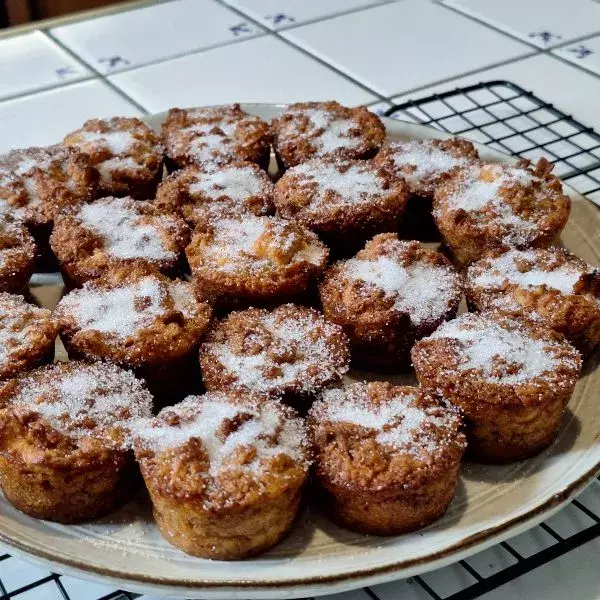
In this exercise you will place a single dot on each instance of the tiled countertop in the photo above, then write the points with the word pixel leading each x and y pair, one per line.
pixel 198 52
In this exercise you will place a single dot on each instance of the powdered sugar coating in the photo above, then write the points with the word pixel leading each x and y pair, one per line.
pixel 235 182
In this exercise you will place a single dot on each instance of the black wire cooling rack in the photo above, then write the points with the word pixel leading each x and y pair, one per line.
pixel 512 120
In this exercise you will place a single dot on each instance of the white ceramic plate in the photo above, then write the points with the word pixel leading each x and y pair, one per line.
pixel 491 504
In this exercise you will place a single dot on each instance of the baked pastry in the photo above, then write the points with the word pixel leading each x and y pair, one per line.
pixel 316 129
pixel 141 321
pixel 225 473
pixel 217 136
pixel 37 184
pixel 386 457
pixel 201 194
pixel 118 232
pixel 249 260
pixel 344 201
pixel 64 439
pixel 552 287
pixel 291 353
pixel 27 335
pixel 424 165
pixel 17 255
pixel 512 380
pixel 126 152
pixel 392 293
pixel 493 207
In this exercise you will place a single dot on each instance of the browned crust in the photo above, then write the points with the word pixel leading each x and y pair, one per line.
pixel 251 139
pixel 146 151
pixel 471 234
pixel 294 148
pixel 169 337
pixel 17 256
pixel 81 254
pixel 380 335
pixel 576 315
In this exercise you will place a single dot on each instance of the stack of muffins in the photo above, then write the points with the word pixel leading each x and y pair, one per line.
pixel 211 317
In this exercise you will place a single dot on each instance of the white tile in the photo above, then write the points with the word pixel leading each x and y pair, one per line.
pixel 379 108
pixel 16 573
pixel 571 90
pixel 449 580
pixel 531 542
pixel 585 54
pixel 569 521
pixel 48 591
pixel 404 589
pixel 260 70
pixel 405 45
pixel 541 22
pixel 491 561
pixel 278 14
pixel 32 61
pixel 136 37
pixel 45 118
pixel 85 590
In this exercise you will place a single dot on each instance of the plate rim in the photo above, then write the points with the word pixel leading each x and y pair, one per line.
pixel 322 584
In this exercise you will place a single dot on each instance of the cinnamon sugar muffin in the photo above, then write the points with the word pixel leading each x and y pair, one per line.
pixel 63 439
pixel 424 165
pixel 291 352
pixel 215 135
pixel 118 232
pixel 225 473
pixel 126 152
pixel 386 457
pixel 392 293
pixel 316 129
pixel 512 381
pixel 37 184
pixel 494 207
pixel 202 194
pixel 266 260
pixel 27 335
pixel 17 255
pixel 344 201
pixel 138 320
pixel 552 287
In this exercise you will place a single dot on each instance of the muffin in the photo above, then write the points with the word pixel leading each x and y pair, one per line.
pixel 344 201
pixel 126 152
pixel 493 207
pixel 27 335
pixel 424 165
pixel 291 353
pixel 552 287
pixel 118 232
pixel 215 136
pixel 225 473
pixel 317 129
pixel 392 293
pixel 203 194
pixel 139 320
pixel 17 256
pixel 387 457
pixel 255 260
pixel 512 381
pixel 64 432
pixel 37 184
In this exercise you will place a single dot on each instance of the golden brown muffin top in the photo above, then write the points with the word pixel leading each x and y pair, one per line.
pixel 317 129
pixel 289 349
pixel 71 414
pixel 133 317
pixel 377 436
pixel 118 144
pixel 225 450
pixel 251 246
pixel 17 248
pixel 202 194
pixel 216 135
pixel 115 231
pixel 36 184
pixel 25 331
pixel 424 164
pixel 333 192
pixel 494 351
pixel 393 277
pixel 515 205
